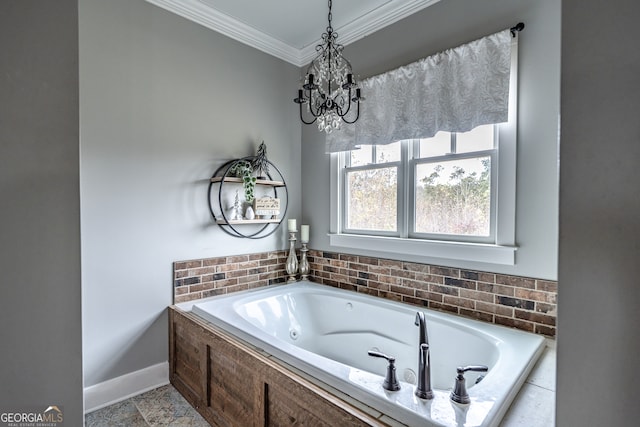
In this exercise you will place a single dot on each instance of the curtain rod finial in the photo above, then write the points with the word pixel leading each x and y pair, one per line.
pixel 517 28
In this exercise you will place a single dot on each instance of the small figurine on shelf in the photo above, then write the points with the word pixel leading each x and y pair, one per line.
pixel 236 211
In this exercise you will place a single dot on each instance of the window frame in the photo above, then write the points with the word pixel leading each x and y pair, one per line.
pixel 407 188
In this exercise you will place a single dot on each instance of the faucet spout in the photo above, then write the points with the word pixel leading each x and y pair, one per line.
pixel 424 337
pixel 423 390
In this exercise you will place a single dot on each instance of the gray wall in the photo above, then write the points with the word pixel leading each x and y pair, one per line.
pixel 448 24
pixel 599 268
pixel 163 102
pixel 123 212
pixel 41 356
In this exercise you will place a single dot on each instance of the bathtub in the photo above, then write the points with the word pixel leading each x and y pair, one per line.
pixel 327 332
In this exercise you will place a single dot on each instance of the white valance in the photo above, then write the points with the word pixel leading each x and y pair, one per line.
pixel 455 90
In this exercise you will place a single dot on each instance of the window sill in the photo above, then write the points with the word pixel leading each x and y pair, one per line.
pixel 460 251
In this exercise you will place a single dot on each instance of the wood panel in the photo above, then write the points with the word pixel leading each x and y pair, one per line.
pixel 235 384
pixel 231 384
pixel 288 403
pixel 186 363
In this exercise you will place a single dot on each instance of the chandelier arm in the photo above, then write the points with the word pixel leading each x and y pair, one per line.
pixel 319 109
pixel 303 120
pixel 349 106
pixel 357 115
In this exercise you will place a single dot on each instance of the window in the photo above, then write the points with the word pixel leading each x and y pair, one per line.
pixel 371 189
pixel 452 196
pixel 436 197
pixel 452 190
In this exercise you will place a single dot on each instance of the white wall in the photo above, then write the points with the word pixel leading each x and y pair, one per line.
pixel 40 322
pixel 445 25
pixel 163 102
pixel 599 268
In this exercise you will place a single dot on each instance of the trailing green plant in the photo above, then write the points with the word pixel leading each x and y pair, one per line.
pixel 243 169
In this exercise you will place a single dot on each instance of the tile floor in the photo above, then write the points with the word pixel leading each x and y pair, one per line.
pixel 534 406
pixel 163 406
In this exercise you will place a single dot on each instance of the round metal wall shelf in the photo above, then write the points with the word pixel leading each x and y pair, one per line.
pixel 222 184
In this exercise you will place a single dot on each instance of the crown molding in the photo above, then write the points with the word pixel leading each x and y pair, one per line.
pixel 200 13
pixel 368 24
pixel 371 22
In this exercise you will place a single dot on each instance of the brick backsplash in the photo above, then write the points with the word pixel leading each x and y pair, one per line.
pixel 201 278
pixel 520 302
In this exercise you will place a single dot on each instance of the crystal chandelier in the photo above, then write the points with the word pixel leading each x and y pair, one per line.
pixel 329 88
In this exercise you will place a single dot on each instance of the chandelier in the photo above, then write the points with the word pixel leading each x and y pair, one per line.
pixel 329 89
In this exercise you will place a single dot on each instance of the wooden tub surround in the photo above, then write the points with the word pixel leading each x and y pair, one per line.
pixel 231 383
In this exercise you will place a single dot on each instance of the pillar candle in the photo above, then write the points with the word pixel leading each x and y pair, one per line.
pixel 304 233
pixel 292 225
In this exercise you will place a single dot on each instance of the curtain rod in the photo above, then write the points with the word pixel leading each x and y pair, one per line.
pixel 518 27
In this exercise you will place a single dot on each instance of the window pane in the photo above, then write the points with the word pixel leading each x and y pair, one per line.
pixel 480 138
pixel 438 145
pixel 454 197
pixel 363 156
pixel 372 199
pixel 388 153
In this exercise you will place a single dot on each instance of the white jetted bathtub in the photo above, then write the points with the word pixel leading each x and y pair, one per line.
pixel 328 332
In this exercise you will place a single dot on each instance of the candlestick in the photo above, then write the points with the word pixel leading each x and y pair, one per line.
pixel 304 263
pixel 292 259
pixel 304 233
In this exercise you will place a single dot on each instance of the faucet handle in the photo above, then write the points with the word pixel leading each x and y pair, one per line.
pixel 391 381
pixel 474 368
pixel 374 353
pixel 459 393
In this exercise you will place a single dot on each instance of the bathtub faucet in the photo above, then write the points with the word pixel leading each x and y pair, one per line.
pixel 423 391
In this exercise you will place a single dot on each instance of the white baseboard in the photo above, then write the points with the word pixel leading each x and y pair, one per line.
pixel 117 389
